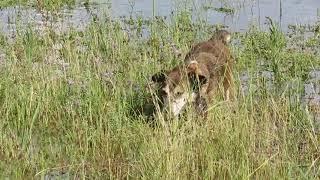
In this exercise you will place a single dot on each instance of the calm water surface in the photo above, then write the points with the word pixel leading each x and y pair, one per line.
pixel 246 12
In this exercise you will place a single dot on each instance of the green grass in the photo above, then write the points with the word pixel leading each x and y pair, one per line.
pixel 50 5
pixel 66 105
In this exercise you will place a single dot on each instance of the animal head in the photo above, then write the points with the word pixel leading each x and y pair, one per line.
pixel 180 86
pixel 222 35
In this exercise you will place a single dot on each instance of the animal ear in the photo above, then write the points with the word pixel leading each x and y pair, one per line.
pixel 198 74
pixel 159 77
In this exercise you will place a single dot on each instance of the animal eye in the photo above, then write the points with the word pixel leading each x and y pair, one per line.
pixel 162 92
pixel 179 93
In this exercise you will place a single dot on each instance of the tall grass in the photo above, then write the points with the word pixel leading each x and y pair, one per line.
pixel 39 4
pixel 66 103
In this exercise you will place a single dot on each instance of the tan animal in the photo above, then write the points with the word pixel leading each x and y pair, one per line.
pixel 206 68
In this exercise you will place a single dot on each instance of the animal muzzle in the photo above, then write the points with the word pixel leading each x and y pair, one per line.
pixel 176 105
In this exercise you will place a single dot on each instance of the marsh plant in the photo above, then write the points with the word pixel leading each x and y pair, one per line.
pixel 47 5
pixel 69 106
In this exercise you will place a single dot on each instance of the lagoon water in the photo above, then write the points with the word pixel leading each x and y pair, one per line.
pixel 246 13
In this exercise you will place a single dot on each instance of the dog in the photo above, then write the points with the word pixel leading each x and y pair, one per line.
pixel 207 66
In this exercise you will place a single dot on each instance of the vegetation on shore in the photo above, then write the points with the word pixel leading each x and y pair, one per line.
pixel 50 5
pixel 68 101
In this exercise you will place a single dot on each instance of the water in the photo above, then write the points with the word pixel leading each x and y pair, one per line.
pixel 246 13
